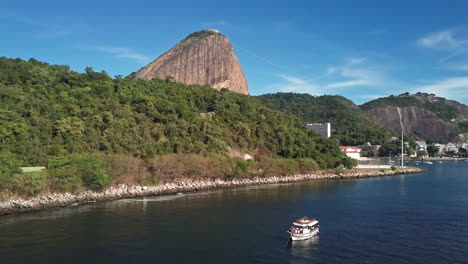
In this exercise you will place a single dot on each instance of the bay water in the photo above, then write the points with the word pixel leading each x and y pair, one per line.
pixel 416 218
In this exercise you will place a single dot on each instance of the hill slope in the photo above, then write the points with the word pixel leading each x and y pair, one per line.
pixel 205 57
pixel 421 116
pixel 48 111
pixel 350 126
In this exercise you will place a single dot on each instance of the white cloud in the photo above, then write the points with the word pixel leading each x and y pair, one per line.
pixel 453 88
pixel 331 70
pixel 125 53
pixel 442 40
pixel 355 60
pixel 354 73
pixel 351 83
pixel 296 84
pixel 350 77
pixel 458 67
pixel 453 43
pixel 292 79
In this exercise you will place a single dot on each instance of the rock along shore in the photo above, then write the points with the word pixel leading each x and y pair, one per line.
pixel 180 185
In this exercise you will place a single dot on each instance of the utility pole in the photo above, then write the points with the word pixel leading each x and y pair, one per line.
pixel 402 148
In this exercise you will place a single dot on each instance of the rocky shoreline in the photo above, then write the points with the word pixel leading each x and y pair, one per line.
pixel 187 185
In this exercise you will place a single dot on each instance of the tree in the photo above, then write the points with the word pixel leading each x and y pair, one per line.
pixel 432 151
pixel 462 152
pixel 421 153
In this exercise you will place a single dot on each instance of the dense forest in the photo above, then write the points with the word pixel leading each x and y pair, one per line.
pixel 85 126
pixel 350 125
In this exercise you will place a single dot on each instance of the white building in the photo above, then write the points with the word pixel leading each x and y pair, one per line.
pixel 451 147
pixel 441 148
pixel 324 129
pixel 352 152
pixel 421 145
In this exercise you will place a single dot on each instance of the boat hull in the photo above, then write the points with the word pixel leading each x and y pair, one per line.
pixel 305 236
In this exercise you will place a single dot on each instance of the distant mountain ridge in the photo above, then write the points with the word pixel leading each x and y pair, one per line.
pixel 204 57
pixel 421 116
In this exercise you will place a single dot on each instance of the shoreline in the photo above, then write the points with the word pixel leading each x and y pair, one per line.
pixel 123 191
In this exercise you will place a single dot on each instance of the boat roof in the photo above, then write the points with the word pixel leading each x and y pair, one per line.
pixel 306 222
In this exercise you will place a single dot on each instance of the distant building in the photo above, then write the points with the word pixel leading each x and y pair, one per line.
pixel 464 146
pixel 421 145
pixel 324 129
pixel 441 148
pixel 369 149
pixel 352 152
pixel 451 147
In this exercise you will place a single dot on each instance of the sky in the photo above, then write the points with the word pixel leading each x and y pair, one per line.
pixel 360 49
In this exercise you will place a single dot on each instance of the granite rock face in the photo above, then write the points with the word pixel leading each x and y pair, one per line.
pixel 417 123
pixel 205 57
pixel 421 116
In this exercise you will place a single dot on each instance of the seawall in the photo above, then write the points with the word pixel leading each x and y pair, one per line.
pixel 180 185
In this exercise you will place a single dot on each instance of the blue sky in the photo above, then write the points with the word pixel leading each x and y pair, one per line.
pixel 359 49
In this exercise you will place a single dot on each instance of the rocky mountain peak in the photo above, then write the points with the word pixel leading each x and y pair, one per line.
pixel 204 57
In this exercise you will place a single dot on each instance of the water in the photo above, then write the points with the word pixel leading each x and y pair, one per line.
pixel 419 218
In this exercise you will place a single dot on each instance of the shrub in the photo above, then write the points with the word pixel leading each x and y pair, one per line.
pixel 71 173
pixel 307 165
pixel 30 184
pixel 65 180
pixel 9 166
pixel 393 168
pixel 338 171
pixel 96 180
pixel 58 162
pixel 241 168
pixel 129 170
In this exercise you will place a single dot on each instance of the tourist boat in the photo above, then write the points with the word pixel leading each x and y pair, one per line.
pixel 304 228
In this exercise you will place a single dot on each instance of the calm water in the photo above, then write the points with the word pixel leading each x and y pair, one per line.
pixel 401 219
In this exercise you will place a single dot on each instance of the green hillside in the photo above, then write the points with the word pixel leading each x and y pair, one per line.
pixel 350 126
pixel 50 115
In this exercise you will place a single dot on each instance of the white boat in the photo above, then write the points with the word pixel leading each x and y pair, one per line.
pixel 304 228
pixel 428 162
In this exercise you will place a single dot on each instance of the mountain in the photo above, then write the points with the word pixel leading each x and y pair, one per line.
pixel 350 125
pixel 205 57
pixel 421 116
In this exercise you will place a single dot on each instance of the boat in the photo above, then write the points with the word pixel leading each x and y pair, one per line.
pixel 428 162
pixel 304 228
